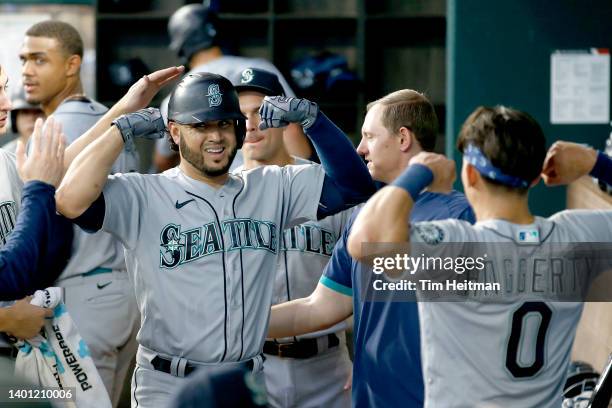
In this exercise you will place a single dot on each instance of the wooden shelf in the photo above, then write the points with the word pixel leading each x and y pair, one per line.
pixel 285 31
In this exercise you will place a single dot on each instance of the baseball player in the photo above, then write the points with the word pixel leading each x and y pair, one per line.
pixel 201 245
pixel 385 373
pixel 23 116
pixel 310 371
pixel 97 288
pixel 37 235
pixel 195 38
pixel 515 351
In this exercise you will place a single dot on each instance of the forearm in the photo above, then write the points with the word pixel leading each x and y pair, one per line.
pixel 385 217
pixel 340 161
pixel 20 256
pixel 88 173
pixel 93 134
pixel 296 317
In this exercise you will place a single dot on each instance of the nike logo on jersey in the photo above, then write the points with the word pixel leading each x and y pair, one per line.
pixel 103 285
pixel 184 203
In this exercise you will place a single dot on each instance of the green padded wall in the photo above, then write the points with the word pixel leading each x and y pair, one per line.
pixel 499 53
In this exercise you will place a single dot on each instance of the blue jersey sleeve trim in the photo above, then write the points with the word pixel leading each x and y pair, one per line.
pixel 603 168
pixel 335 286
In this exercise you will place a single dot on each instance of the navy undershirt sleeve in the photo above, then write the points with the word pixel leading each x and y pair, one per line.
pixel 603 168
pixel 92 219
pixel 38 249
pixel 347 180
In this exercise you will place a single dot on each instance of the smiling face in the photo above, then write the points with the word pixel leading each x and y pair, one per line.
pixel 45 69
pixel 209 147
pixel 380 148
pixel 259 145
pixel 5 102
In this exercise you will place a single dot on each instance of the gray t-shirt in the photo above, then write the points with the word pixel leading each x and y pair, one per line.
pixel 469 359
pixel 202 259
pixel 99 250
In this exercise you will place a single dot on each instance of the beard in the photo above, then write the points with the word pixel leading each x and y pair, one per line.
pixel 196 159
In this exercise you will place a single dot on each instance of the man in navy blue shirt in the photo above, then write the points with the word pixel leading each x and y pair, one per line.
pixel 387 363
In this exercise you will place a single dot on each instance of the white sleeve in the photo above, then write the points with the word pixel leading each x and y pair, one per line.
pixel 302 187
pixel 125 206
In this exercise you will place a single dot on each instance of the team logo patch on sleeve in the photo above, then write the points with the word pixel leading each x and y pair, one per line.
pixel 430 233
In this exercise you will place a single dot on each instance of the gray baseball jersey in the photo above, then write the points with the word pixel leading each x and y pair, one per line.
pixel 90 251
pixel 10 194
pixel 306 249
pixel 203 259
pixel 510 353
pixel 10 202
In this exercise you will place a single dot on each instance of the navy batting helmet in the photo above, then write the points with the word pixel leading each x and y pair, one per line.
pixel 191 29
pixel 204 97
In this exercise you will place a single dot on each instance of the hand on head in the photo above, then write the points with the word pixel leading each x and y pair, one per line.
pixel 140 94
pixel 442 168
pixel 566 162
pixel 45 161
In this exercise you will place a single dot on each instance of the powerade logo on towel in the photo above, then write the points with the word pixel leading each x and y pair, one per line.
pixel 528 236
pixel 214 95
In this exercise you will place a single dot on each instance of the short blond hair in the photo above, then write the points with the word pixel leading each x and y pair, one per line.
pixel 410 109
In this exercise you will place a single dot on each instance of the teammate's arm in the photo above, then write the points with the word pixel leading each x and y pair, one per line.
pixel 347 180
pixel 35 238
pixel 87 174
pixel 566 162
pixel 380 219
pixel 138 97
pixel 321 310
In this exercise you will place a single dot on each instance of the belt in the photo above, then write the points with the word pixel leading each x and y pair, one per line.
pixel 165 365
pixel 10 352
pixel 304 348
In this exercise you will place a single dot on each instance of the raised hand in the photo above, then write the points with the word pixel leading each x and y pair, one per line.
pixel 46 159
pixel 142 92
pixel 442 168
pixel 279 111
pixel 566 162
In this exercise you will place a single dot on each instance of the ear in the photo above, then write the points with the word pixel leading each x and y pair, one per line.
pixel 406 139
pixel 73 65
pixel 473 176
pixel 175 132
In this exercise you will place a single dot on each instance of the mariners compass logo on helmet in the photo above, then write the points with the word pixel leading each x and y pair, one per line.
pixel 215 97
pixel 247 76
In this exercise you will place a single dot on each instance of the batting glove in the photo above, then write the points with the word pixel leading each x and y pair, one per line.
pixel 279 111
pixel 145 123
